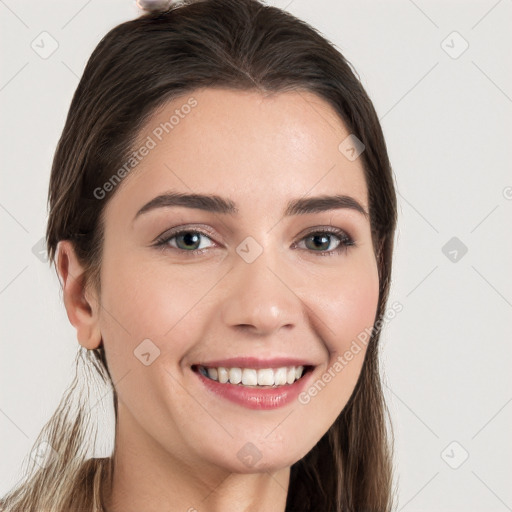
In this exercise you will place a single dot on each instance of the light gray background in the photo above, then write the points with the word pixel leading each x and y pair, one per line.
pixel 446 120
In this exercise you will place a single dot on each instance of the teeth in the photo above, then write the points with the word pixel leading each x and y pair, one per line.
pixel 249 377
pixel 223 375
pixel 280 376
pixel 235 375
pixel 265 377
pixel 252 377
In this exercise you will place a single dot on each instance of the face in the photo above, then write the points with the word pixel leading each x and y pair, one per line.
pixel 283 289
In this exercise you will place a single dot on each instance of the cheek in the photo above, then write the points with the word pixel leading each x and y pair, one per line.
pixel 346 313
pixel 139 296
pixel 141 314
pixel 347 303
pixel 142 302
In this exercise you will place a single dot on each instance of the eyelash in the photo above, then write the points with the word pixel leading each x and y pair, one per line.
pixel 345 241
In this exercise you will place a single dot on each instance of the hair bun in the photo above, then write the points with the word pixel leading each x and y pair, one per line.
pixel 154 5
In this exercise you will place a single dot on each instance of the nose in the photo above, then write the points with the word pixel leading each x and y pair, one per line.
pixel 260 297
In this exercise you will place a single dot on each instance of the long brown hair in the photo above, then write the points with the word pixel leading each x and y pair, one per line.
pixel 137 67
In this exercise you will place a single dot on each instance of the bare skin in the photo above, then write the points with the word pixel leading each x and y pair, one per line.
pixel 176 443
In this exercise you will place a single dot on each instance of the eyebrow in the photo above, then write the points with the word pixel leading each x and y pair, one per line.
pixel 218 204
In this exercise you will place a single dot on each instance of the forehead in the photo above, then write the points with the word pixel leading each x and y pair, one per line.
pixel 254 148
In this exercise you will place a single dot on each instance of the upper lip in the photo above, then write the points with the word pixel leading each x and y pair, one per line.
pixel 255 362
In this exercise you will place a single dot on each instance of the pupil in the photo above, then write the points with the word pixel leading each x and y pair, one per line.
pixel 325 237
pixel 189 235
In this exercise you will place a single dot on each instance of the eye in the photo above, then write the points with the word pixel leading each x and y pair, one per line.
pixel 322 238
pixel 186 240
pixel 189 240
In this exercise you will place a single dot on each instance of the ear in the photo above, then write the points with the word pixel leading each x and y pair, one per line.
pixel 82 310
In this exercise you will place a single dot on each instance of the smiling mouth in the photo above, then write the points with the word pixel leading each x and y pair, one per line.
pixel 254 378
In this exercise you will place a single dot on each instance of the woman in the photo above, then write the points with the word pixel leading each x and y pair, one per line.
pixel 221 218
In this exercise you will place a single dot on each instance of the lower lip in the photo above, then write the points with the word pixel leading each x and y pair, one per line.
pixel 253 398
